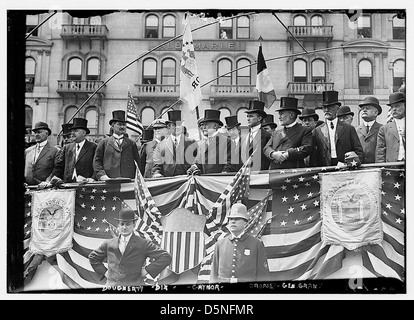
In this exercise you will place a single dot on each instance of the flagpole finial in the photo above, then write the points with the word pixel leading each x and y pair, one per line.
pixel 260 40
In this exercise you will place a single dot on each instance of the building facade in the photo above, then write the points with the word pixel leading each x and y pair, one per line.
pixel 69 58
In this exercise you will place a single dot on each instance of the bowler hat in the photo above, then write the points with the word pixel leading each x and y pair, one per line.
pixel 289 103
pixel 126 214
pixel 174 116
pixel 396 97
pixel 80 123
pixel 148 134
pixel 232 122
pixel 371 101
pixel 330 98
pixel 309 112
pixel 213 116
pixel 42 125
pixel 66 128
pixel 257 106
pixel 118 116
pixel 238 210
pixel 159 124
pixel 343 111
pixel 269 120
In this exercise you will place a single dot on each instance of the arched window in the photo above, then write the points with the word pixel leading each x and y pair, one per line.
pixel 168 70
pixel 75 69
pixel 365 77
pixel 151 26
pixel 242 116
pixel 147 116
pixel 91 114
pixel 168 26
pixel 299 21
pixel 30 71
pixel 243 75
pixel 224 112
pixel 398 74
pixel 299 71
pixel 317 23
pixel 93 69
pixel 243 28
pixel 69 112
pixel 364 27
pixel 149 71
pixel 226 29
pixel 318 71
pixel 398 28
pixel 224 66
pixel 28 117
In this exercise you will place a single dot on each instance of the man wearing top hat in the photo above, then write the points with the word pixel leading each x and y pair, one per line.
pixel 239 257
pixel 66 134
pixel 254 142
pixel 333 139
pixel 74 162
pixel 234 132
pixel 116 156
pixel 368 130
pixel 214 152
pixel 345 114
pixel 176 153
pixel 126 255
pixel 292 142
pixel 40 159
pixel 269 124
pixel 391 136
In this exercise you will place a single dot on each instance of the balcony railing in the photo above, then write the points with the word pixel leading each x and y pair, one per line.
pixel 78 85
pixel 304 32
pixel 233 90
pixel 84 30
pixel 309 87
pixel 366 90
pixel 159 90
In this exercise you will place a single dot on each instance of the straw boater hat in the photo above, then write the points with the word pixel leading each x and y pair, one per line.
pixel 238 210
pixel 396 97
pixel 343 111
pixel 80 123
pixel 257 106
pixel 232 122
pixel 309 112
pixel 174 116
pixel 372 101
pixel 329 98
pixel 117 116
pixel 289 103
pixel 42 125
pixel 211 115
pixel 126 214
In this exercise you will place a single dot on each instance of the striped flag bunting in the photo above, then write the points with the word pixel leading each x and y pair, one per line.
pixel 133 120
pixel 288 222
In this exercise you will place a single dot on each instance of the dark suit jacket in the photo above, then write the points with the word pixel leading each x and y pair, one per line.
pixel 388 143
pixel 368 141
pixel 42 169
pixel 346 140
pixel 113 161
pixel 125 269
pixel 260 161
pixel 164 161
pixel 214 155
pixel 297 141
pixel 146 154
pixel 236 155
pixel 66 162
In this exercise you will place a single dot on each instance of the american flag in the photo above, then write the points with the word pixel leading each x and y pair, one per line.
pixel 133 120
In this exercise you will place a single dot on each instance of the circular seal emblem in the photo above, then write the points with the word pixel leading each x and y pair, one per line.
pixel 51 219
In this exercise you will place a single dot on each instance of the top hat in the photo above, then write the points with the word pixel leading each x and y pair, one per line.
pixel 343 111
pixel 126 214
pixel 159 124
pixel 238 210
pixel 213 116
pixel 309 112
pixel 148 135
pixel 289 103
pixel 80 123
pixel 66 128
pixel 396 97
pixel 118 116
pixel 257 106
pixel 42 125
pixel 232 122
pixel 174 116
pixel 371 101
pixel 269 120
pixel 330 98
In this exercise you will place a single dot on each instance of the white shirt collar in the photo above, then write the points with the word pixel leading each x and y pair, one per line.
pixel 334 121
pixel 368 123
pixel 291 125
pixel 117 136
pixel 125 239
pixel 400 122
pixel 80 144
pixel 42 144
pixel 255 128
pixel 237 237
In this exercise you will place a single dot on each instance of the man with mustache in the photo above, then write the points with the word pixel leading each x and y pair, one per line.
pixel 116 156
pixel 333 139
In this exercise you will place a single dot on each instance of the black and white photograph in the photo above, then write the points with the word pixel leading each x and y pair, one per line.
pixel 207 152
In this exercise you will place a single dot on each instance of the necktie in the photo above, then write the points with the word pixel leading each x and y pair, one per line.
pixel 250 143
pixel 118 142
pixel 38 150
pixel 367 129
pixel 77 151
pixel 175 148
pixel 122 244
pixel 332 125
